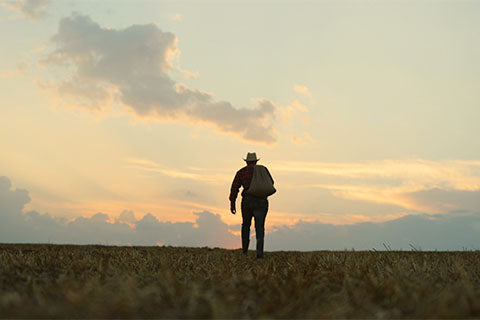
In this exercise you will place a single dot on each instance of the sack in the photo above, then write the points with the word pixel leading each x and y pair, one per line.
pixel 262 184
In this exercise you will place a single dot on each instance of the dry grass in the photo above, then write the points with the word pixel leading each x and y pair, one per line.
pixel 58 281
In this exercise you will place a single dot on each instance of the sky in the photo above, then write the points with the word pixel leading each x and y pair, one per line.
pixel 124 122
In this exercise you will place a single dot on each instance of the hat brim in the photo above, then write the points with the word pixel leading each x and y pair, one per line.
pixel 251 159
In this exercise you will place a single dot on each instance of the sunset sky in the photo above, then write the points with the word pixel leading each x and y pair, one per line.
pixel 363 111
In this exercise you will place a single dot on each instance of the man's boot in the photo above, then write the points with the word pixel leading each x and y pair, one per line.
pixel 259 248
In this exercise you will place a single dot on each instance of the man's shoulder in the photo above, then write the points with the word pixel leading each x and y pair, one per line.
pixel 242 169
pixel 252 167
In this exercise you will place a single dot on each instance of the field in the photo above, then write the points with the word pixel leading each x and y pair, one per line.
pixel 60 281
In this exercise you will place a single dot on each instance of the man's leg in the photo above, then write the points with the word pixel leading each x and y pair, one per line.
pixel 260 213
pixel 247 214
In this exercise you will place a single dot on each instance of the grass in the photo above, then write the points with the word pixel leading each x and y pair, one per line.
pixel 63 281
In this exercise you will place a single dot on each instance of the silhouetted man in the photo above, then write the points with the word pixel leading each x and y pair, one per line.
pixel 252 206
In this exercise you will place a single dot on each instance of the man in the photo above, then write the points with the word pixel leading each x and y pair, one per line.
pixel 251 206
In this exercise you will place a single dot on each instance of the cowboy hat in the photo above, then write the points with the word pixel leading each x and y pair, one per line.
pixel 251 156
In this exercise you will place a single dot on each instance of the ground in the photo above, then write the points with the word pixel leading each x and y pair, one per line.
pixel 64 281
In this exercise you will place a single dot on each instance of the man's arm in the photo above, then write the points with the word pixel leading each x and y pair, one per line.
pixel 236 184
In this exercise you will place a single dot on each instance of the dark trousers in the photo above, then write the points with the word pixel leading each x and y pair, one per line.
pixel 257 208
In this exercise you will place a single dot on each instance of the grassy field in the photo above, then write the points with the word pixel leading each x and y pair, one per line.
pixel 60 281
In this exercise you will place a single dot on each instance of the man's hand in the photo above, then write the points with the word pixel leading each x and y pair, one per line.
pixel 232 207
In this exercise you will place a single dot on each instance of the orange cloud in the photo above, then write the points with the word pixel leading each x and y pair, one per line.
pixel 31 9
pixel 304 91
pixel 367 181
pixel 462 175
pixel 213 177
pixel 304 140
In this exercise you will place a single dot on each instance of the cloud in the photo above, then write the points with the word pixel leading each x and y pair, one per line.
pixel 20 70
pixel 196 174
pixel 30 9
pixel 426 232
pixel 396 182
pixel 296 116
pixel 303 90
pixel 12 203
pixel 293 110
pixel 19 226
pixel 208 230
pixel 304 140
pixel 439 200
pixel 127 216
pixel 452 231
pixel 459 173
pixel 9 74
pixel 132 67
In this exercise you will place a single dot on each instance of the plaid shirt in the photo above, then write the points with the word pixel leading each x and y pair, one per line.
pixel 242 178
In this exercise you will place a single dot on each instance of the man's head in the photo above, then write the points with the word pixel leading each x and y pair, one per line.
pixel 251 158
